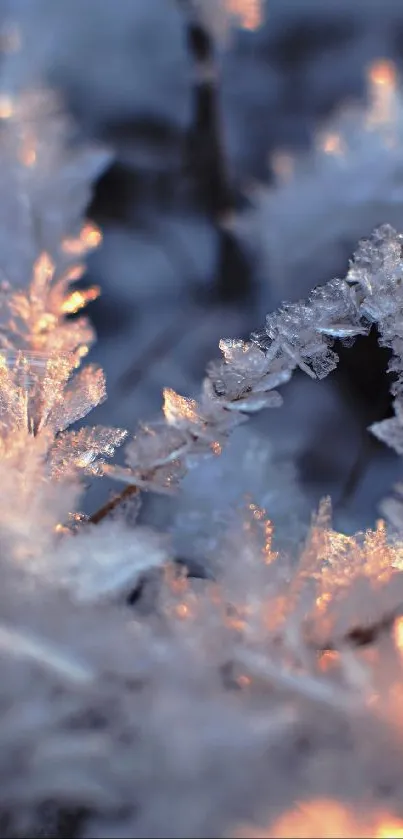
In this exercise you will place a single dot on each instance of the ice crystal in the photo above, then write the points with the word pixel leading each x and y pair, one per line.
pixel 87 566
pixel 299 335
pixel 258 675
pixel 45 405
pixel 46 179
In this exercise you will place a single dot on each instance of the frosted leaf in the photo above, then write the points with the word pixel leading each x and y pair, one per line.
pixel 256 402
pixel 360 600
pixel 203 422
pixel 167 477
pixel 303 331
pixel 246 370
pixel 47 179
pixel 84 449
pixel 107 561
pixel 324 363
pixel 227 382
pixel 31 504
pixel 300 335
pixel 390 431
pixel 155 445
pixel 163 479
pixel 273 379
pixel 245 357
pixel 375 258
pixel 84 392
pixel 53 398
pixel 13 400
pixel 250 577
pixel 35 320
pixel 49 390
pixel 340 330
pixel 39 396
pixel 180 411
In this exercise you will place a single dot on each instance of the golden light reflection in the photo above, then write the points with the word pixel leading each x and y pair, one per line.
pixel 243 681
pixel 332 144
pixel 6 106
pixel 178 408
pixel 28 153
pixel 398 634
pixel 382 80
pixel 390 830
pixel 248 13
pixel 90 237
pixel 383 73
pixel 182 610
pixel 326 819
pixel 259 514
pixel 78 299
pixel 328 659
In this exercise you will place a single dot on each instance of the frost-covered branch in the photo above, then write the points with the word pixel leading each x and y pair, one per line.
pixel 299 335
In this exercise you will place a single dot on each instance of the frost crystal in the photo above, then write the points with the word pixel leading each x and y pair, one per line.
pixel 88 565
pixel 47 183
pixel 299 335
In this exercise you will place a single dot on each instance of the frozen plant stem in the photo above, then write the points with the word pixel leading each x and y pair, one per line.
pixel 308 687
pixel 299 335
pixel 111 505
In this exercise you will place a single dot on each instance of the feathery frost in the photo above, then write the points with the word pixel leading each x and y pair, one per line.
pixel 134 699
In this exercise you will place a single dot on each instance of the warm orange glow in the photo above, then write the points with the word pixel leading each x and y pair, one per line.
pixel 383 73
pixel 82 351
pixel 75 273
pixel 42 275
pixel 398 634
pixel 248 13
pixel 78 299
pixel 328 659
pixel 382 80
pixel 390 829
pixel 326 819
pixel 259 514
pixel 28 155
pixel 316 820
pixel 90 237
pixel 236 619
pixel 331 144
pixel 243 681
pixel 182 610
pixel 178 408
pixel 43 323
pixel 61 529
pixel 323 600
pixel 6 107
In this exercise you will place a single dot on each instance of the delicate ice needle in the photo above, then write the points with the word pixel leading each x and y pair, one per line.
pixel 316 690
pixel 16 643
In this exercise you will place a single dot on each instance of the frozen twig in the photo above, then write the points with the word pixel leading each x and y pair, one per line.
pixel 308 687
